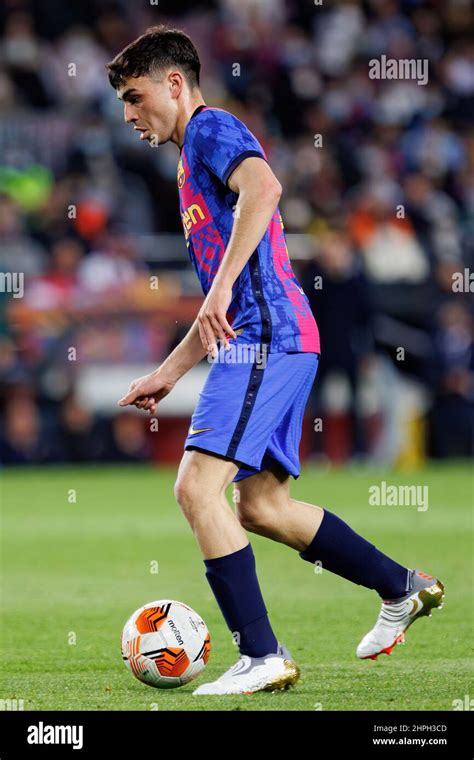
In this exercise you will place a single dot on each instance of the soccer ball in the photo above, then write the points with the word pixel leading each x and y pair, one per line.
pixel 165 644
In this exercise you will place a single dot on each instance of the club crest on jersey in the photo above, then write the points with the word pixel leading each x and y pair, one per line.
pixel 181 174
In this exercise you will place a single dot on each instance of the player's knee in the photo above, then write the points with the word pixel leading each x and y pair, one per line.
pixel 194 497
pixel 253 517
pixel 185 494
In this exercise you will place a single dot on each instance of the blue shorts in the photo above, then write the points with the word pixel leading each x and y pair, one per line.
pixel 252 411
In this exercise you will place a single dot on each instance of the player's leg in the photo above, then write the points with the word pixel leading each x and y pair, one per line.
pixel 231 573
pixel 200 491
pixel 228 557
pixel 264 506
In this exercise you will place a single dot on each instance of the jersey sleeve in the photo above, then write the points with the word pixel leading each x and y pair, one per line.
pixel 221 142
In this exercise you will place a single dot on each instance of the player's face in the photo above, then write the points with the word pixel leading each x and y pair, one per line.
pixel 151 106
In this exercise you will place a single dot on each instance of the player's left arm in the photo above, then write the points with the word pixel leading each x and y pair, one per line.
pixel 258 193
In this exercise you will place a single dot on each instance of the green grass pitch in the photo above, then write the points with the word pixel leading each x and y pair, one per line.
pixel 80 569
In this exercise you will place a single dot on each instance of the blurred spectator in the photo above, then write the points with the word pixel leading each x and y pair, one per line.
pixel 18 251
pixel 339 295
pixel 55 288
pixel 388 243
pixel 129 441
pixel 377 175
pixel 23 52
pixel 452 415
pixel 434 216
pixel 82 436
pixel 24 438
pixel 108 269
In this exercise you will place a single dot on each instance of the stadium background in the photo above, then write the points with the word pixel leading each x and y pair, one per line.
pixel 88 213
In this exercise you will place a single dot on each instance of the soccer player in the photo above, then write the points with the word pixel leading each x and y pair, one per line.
pixel 256 324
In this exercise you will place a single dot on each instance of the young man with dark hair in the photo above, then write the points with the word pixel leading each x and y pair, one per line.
pixel 246 427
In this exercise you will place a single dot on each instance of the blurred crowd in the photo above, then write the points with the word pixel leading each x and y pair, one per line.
pixel 377 176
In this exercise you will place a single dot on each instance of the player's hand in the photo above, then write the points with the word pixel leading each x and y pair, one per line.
pixel 212 320
pixel 145 392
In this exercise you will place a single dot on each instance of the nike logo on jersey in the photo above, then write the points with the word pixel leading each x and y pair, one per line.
pixel 198 430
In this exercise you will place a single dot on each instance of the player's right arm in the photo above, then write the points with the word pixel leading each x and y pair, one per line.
pixel 147 391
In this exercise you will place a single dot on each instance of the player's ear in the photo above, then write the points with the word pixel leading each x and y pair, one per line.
pixel 175 83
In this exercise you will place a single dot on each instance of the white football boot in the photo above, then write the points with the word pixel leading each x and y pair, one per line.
pixel 426 594
pixel 249 674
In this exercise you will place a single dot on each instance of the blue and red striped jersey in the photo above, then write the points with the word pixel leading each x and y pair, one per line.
pixel 269 306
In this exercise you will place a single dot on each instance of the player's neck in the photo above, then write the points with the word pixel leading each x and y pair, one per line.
pixel 183 118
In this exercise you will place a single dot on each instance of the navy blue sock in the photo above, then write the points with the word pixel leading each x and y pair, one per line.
pixel 233 580
pixel 344 552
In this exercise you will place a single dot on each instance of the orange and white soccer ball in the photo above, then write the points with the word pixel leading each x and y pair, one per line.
pixel 165 644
